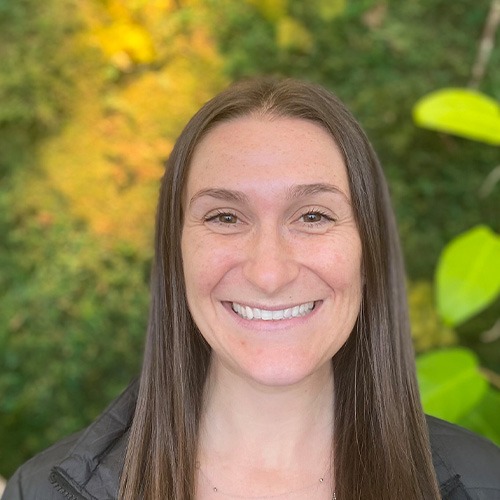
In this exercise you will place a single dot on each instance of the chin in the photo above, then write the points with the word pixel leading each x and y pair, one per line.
pixel 284 372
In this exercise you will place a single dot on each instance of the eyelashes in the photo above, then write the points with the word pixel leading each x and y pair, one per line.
pixel 311 218
pixel 315 217
pixel 223 217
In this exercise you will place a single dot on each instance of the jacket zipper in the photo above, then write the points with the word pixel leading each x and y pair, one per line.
pixel 63 487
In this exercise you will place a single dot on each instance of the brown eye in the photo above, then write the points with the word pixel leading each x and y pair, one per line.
pixel 313 217
pixel 227 218
pixel 223 218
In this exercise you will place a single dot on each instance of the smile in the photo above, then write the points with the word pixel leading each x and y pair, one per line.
pixel 247 312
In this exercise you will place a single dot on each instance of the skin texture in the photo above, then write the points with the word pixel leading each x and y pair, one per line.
pixel 269 225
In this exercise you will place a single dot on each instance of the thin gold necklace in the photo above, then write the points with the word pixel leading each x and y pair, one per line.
pixel 216 490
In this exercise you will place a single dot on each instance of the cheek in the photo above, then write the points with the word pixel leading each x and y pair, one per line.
pixel 342 268
pixel 205 265
pixel 349 275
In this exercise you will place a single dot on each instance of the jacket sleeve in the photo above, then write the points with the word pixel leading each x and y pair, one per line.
pixel 461 456
pixel 13 488
pixel 30 485
pixel 31 480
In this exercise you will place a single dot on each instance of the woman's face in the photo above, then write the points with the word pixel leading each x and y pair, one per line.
pixel 270 247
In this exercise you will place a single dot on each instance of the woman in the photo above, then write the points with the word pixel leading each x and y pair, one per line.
pixel 278 361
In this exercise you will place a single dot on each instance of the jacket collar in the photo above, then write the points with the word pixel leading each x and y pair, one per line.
pixel 92 468
pixel 450 484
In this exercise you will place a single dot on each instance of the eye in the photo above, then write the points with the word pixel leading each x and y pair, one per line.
pixel 312 217
pixel 315 217
pixel 224 218
pixel 227 218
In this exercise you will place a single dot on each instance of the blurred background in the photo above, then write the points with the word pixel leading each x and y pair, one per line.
pixel 93 94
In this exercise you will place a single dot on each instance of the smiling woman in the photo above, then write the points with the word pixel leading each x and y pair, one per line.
pixel 263 195
pixel 278 361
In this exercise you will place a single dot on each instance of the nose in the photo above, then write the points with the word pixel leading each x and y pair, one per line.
pixel 270 264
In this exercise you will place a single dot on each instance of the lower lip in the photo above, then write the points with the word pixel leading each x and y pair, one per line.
pixel 279 324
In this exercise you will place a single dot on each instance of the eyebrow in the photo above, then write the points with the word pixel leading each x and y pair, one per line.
pixel 294 192
pixel 220 194
pixel 303 190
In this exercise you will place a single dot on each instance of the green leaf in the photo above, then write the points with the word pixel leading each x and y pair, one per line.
pixel 468 275
pixel 463 112
pixel 483 418
pixel 450 383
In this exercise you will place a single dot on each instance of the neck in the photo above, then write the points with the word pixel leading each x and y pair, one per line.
pixel 269 427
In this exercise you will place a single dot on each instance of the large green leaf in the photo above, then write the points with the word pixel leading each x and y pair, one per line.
pixel 462 112
pixel 450 383
pixel 484 418
pixel 468 275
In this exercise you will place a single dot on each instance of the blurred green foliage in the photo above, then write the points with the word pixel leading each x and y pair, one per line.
pixel 93 94
pixel 451 383
pixel 38 75
pixel 467 279
pixel 463 112
pixel 468 275
pixel 72 317
pixel 380 57
pixel 428 328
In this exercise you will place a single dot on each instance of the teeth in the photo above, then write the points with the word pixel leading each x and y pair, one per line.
pixel 278 314
pixel 267 315
pixel 249 312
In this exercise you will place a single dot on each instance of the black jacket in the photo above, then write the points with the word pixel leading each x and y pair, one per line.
pixel 87 465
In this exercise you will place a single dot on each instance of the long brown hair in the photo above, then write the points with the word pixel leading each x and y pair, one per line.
pixel 381 445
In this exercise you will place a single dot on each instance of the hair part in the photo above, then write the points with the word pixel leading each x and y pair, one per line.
pixel 381 445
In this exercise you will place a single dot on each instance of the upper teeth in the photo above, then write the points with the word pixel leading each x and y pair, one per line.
pixel 267 315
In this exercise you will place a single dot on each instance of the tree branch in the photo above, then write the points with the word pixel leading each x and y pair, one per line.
pixel 486 45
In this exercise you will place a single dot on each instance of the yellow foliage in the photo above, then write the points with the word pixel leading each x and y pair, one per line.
pixel 152 11
pixel 107 161
pixel 291 34
pixel 117 27
pixel 131 32
pixel 124 38
pixel 126 9
pixel 107 173
pixel 118 10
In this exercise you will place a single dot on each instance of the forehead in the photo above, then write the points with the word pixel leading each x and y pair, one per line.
pixel 267 151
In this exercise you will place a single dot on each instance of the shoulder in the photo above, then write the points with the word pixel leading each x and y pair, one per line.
pixel 31 480
pixel 86 465
pixel 459 452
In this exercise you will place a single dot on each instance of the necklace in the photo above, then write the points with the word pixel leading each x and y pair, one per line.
pixel 215 489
